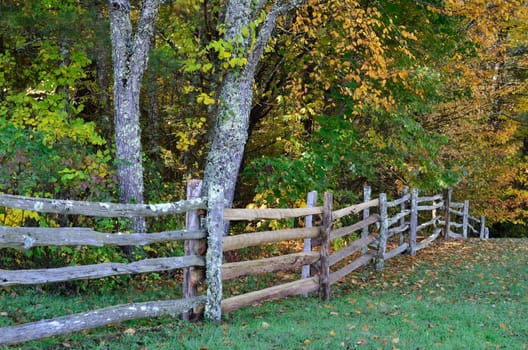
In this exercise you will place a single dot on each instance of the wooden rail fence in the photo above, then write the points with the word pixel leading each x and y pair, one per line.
pixel 374 230
pixel 28 237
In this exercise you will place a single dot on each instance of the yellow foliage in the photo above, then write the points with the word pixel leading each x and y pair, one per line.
pixel 206 99
pixel 17 217
pixel 188 133
pixel 350 30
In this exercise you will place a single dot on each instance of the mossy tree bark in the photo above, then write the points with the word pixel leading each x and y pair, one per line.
pixel 130 54
pixel 230 132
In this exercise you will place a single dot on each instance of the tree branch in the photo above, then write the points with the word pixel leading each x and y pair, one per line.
pixel 144 32
pixel 279 8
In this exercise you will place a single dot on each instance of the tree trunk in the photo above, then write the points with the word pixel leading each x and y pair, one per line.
pixel 236 95
pixel 130 54
pixel 153 134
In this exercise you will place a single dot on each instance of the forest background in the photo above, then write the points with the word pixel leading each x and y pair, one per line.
pixel 345 93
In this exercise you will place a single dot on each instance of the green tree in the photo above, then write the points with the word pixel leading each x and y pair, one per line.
pixel 49 146
pixel 365 71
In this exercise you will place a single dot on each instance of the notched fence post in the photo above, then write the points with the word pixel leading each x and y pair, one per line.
pixel 215 235
pixel 403 207
pixel 384 231
pixel 465 216
pixel 193 276
pixel 483 228
pixel 324 277
pixel 447 212
pixel 414 221
pixel 366 213
pixel 311 202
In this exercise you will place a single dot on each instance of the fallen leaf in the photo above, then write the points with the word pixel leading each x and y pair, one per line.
pixel 129 331
pixel 361 341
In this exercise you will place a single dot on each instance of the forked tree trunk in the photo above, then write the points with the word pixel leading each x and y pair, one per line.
pixel 230 132
pixel 130 54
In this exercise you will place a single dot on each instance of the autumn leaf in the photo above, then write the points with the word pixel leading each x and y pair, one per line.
pixel 129 331
pixel 361 341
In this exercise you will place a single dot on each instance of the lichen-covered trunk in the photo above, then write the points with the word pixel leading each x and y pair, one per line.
pixel 230 136
pixel 129 55
pixel 232 119
pixel 128 147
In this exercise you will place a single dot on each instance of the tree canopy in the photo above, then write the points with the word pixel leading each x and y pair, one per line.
pixel 316 95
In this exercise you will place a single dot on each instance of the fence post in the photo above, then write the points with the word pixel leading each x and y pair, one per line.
pixel 447 213
pixel 213 258
pixel 311 201
pixel 414 220
pixel 193 276
pixel 405 191
pixel 465 214
pixel 482 227
pixel 384 230
pixel 434 213
pixel 324 276
pixel 366 213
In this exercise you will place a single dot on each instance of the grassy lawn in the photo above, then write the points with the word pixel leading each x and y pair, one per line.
pixel 452 295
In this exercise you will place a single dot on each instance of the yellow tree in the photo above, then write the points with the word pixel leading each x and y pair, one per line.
pixel 482 122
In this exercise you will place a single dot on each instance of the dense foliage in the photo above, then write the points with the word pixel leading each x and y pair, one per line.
pixel 392 94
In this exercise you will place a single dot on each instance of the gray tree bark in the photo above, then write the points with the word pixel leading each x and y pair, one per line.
pixel 230 132
pixel 130 55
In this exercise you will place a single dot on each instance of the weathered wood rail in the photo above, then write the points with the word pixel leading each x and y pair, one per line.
pixel 376 230
pixel 29 237
pixel 272 264
pixel 412 223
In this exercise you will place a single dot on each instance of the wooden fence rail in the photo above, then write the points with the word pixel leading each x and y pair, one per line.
pixel 82 321
pixel 376 230
pixel 29 237
pixel 72 273
pixel 45 205
pixel 412 208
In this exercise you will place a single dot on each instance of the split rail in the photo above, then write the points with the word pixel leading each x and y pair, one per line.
pixel 374 230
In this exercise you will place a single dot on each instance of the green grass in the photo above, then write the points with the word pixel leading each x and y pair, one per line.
pixel 453 295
